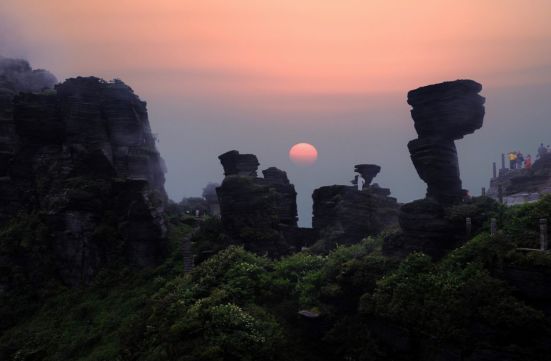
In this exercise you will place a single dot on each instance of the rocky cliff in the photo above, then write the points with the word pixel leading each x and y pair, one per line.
pixel 260 213
pixel 80 159
pixel 344 215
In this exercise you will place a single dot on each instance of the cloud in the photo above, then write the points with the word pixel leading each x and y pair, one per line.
pixel 18 76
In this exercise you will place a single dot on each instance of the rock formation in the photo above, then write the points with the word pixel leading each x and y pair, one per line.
pixel 259 212
pixel 82 158
pixel 442 113
pixel 239 164
pixel 344 215
pixel 367 171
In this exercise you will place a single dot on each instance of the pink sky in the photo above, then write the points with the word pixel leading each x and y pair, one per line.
pixel 288 46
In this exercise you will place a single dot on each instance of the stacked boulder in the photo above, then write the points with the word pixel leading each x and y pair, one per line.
pixel 82 158
pixel 442 113
pixel 345 215
pixel 260 213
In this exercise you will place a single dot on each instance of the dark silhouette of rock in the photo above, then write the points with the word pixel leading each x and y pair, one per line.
pixel 239 164
pixel 286 202
pixel 435 160
pixel 84 159
pixel 367 171
pixel 259 212
pixel 442 113
pixel 448 110
pixel 344 215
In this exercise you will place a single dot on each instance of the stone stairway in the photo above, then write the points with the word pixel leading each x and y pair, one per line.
pixel 188 254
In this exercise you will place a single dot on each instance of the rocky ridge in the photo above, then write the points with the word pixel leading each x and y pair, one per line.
pixel 82 158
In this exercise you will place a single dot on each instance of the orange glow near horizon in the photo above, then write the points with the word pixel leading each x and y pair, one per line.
pixel 291 47
pixel 303 154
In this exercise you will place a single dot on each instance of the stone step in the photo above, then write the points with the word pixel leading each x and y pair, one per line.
pixel 187 253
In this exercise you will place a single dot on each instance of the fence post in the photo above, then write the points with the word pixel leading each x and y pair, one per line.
pixel 543 234
pixel 493 227
pixel 468 227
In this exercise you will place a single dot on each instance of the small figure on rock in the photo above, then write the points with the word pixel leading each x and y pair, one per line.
pixel 528 162
pixel 512 160
pixel 520 160
pixel 361 182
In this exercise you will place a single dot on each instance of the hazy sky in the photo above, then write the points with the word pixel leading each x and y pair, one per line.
pixel 262 75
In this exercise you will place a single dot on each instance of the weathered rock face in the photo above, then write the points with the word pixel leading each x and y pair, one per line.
pixel 523 185
pixel 286 202
pixel 344 215
pixel 83 157
pixel 239 164
pixel 435 160
pixel 442 113
pixel 258 212
pixel 448 110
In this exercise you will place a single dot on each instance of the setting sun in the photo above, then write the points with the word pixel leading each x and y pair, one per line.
pixel 303 154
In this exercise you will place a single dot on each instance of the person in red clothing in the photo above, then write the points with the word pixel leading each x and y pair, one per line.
pixel 528 162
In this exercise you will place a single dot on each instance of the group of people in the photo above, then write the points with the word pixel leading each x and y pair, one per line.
pixel 518 161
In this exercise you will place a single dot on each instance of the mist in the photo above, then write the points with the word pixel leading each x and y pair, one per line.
pixel 18 76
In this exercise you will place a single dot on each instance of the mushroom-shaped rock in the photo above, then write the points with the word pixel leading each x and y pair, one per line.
pixel 449 110
pixel 367 171
pixel 443 113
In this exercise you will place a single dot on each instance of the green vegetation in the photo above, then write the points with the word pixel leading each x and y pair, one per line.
pixel 236 305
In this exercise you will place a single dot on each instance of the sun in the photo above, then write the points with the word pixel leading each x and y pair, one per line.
pixel 303 154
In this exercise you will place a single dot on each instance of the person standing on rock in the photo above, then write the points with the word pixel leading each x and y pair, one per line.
pixel 528 162
pixel 520 160
pixel 512 160
pixel 361 182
